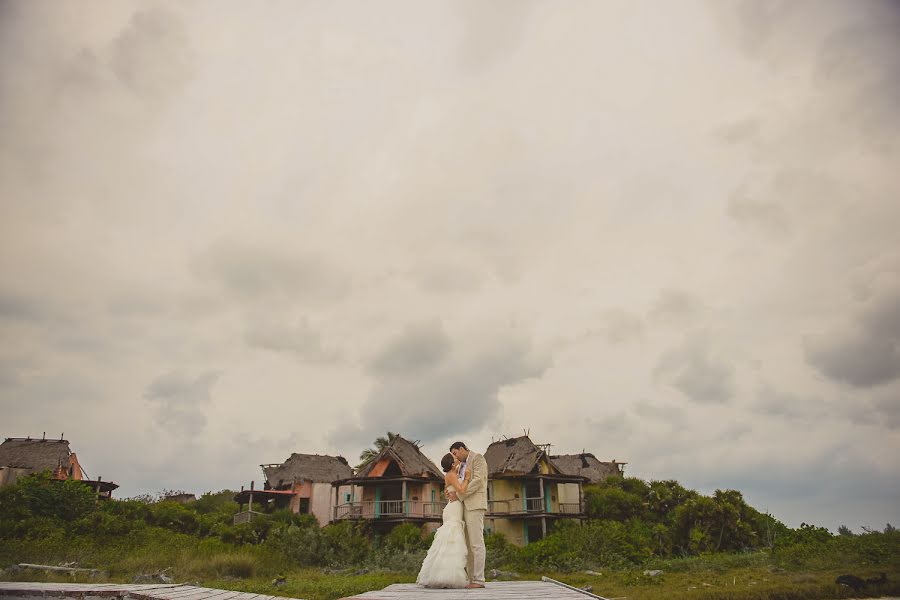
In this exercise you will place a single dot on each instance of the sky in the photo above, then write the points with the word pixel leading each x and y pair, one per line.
pixel 665 234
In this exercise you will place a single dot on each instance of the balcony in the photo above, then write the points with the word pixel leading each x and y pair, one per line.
pixel 533 506
pixel 390 509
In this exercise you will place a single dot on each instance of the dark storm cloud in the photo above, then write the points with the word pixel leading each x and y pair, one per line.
pixel 298 338
pixel 698 372
pixel 181 401
pixel 834 479
pixel 865 353
pixel 458 397
pixel 419 347
pixel 864 59
pixel 251 271
pixel 16 307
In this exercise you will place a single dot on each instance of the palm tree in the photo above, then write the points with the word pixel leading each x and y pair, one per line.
pixel 369 454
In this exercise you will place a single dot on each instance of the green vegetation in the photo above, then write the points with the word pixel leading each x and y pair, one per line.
pixel 706 547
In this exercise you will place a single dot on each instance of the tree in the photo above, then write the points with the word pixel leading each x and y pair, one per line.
pixel 844 531
pixel 369 454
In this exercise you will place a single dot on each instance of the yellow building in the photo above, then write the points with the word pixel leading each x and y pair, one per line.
pixel 527 492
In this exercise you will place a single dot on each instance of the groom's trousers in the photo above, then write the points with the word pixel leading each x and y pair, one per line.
pixel 475 535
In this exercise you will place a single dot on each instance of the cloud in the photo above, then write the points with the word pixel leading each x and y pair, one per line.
pixel 421 346
pixel 181 401
pixel 152 56
pixel 785 405
pixel 255 271
pixel 675 307
pixel 768 217
pixel 740 131
pixel 298 338
pixel 865 352
pixel 670 414
pixel 697 371
pixel 446 278
pixel 620 326
pixel 455 397
pixel 864 58
pixel 490 31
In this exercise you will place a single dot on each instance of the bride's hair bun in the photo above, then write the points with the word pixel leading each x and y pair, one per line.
pixel 447 462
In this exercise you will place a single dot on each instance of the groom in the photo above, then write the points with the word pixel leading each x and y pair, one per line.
pixel 474 501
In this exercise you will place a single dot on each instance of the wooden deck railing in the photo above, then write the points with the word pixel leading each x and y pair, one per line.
pixel 532 505
pixel 389 509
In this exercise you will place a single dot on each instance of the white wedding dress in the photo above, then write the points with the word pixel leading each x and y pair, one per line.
pixel 445 564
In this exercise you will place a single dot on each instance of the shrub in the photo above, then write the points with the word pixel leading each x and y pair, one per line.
pixel 406 537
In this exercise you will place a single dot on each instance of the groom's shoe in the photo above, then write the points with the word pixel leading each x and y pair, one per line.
pixel 475 586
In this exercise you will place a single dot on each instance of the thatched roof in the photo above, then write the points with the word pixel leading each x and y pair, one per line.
pixel 512 457
pixel 26 453
pixel 409 459
pixel 586 465
pixel 309 467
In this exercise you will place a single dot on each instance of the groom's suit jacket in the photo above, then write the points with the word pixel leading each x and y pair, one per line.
pixel 475 496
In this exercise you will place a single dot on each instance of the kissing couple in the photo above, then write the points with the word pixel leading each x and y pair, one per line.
pixel 456 556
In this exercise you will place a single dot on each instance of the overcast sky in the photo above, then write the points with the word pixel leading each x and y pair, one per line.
pixel 665 233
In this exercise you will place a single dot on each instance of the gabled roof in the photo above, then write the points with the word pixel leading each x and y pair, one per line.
pixel 586 465
pixel 309 467
pixel 27 453
pixel 407 456
pixel 513 456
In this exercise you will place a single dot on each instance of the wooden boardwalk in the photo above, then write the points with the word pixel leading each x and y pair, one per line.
pixel 495 590
pixel 499 590
pixel 150 591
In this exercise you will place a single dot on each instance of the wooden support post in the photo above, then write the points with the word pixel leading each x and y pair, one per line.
pixel 403 497
pixel 543 527
pixel 543 499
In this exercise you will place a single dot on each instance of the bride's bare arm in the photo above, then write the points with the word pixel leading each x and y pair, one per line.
pixel 452 478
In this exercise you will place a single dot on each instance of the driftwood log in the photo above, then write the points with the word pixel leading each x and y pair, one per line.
pixel 92 572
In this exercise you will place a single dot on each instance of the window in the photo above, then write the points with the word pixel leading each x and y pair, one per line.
pixel 347 497
pixel 304 506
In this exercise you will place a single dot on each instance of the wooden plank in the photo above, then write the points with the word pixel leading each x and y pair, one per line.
pixel 182 590
pixel 524 590
pixel 198 594
pixel 232 595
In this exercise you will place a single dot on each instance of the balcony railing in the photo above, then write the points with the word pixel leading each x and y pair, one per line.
pixel 532 505
pixel 571 508
pixel 389 509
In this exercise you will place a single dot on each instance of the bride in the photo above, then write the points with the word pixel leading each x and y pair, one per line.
pixel 445 564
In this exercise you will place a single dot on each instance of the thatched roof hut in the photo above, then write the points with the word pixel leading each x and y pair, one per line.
pixel 586 465
pixel 401 458
pixel 36 455
pixel 22 456
pixel 512 457
pixel 315 468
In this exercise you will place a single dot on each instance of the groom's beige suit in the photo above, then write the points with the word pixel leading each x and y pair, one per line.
pixel 475 506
